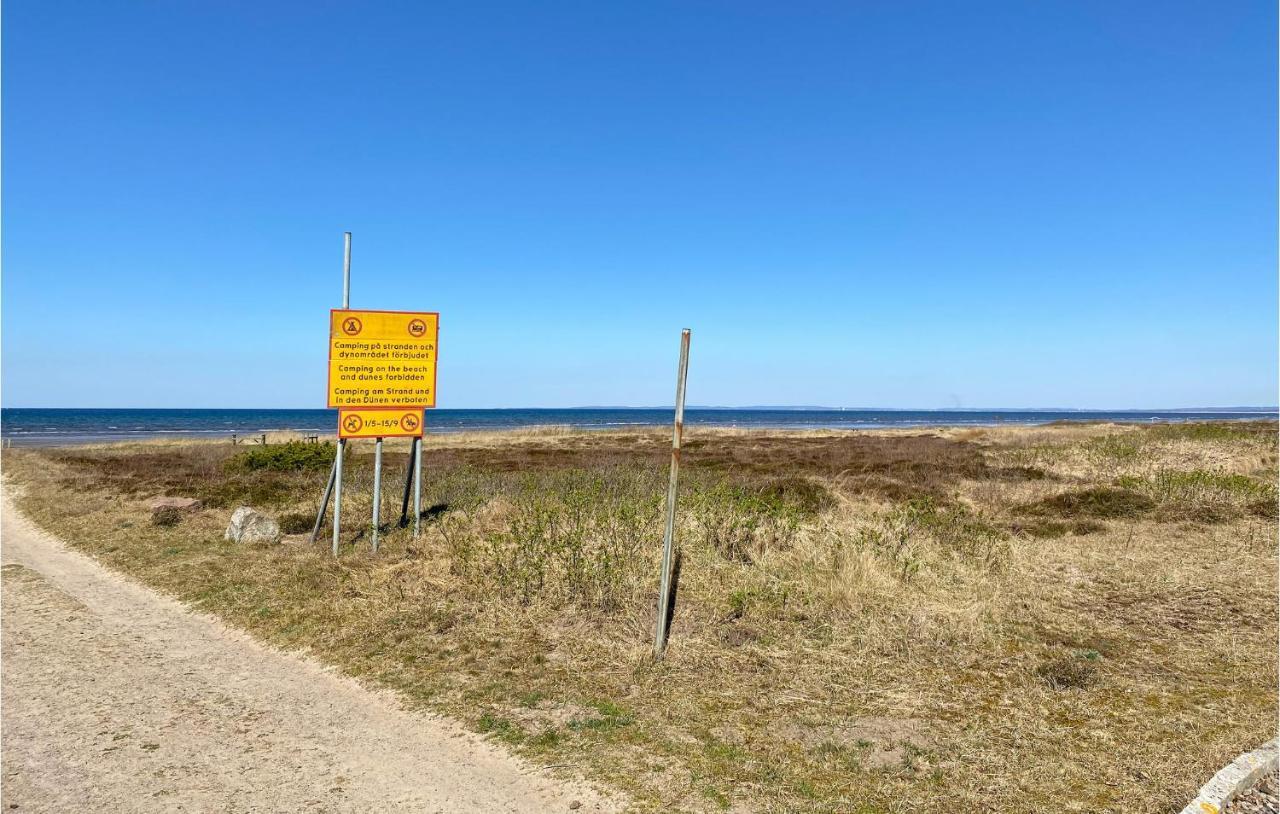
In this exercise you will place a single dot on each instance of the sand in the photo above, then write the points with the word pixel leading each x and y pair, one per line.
pixel 118 699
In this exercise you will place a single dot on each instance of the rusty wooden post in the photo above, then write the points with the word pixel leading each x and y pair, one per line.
pixel 417 481
pixel 668 537
pixel 408 484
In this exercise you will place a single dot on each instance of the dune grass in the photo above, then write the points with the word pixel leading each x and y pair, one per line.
pixel 1057 619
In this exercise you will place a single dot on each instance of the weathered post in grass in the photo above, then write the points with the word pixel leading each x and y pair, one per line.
pixel 377 490
pixel 413 483
pixel 668 537
pixel 417 480
pixel 408 484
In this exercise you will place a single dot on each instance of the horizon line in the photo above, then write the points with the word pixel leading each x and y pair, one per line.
pixel 760 407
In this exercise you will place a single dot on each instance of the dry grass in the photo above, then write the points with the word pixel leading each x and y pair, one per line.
pixel 1060 618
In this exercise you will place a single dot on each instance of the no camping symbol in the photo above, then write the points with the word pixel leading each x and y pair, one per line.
pixel 417 327
pixel 352 326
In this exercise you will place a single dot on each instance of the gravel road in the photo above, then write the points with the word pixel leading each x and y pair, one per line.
pixel 118 699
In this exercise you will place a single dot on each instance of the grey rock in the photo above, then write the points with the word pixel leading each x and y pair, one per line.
pixel 248 525
pixel 182 504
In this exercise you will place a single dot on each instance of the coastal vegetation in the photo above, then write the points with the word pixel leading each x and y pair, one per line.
pixel 1073 617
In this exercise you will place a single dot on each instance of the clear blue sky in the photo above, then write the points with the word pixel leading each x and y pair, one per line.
pixel 913 204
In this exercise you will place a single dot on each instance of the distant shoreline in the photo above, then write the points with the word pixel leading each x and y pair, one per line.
pixel 67 426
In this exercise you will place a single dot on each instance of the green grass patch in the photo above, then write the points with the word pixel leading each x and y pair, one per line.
pixel 1171 485
pixel 1209 431
pixel 1203 496
pixel 293 456
pixel 1113 449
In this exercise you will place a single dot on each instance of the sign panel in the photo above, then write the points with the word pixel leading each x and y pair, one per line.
pixel 382 358
pixel 379 422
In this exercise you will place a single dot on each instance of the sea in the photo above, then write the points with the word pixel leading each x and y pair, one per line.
pixel 22 426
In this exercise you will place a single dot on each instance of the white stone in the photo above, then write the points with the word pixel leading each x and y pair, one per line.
pixel 1236 777
pixel 248 525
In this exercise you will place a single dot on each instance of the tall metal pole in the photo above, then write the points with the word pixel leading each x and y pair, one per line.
pixel 336 475
pixel 346 269
pixel 337 495
pixel 668 537
pixel 377 490
pixel 417 480
pixel 328 493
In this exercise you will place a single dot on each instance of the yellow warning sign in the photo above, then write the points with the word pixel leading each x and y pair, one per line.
pixel 382 358
pixel 379 422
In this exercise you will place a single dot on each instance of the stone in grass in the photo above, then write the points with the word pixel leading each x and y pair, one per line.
pixel 168 511
pixel 182 504
pixel 248 525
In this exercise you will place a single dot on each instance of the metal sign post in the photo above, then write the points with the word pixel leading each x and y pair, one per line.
pixel 337 495
pixel 335 474
pixel 342 442
pixel 377 490
pixel 382 373
pixel 668 537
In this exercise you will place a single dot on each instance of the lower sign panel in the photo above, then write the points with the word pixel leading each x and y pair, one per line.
pixel 387 422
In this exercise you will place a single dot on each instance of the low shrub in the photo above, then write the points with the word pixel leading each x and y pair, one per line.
pixel 574 538
pixel 1113 450
pixel 1052 529
pixel 292 456
pixel 1266 508
pixel 296 522
pixel 253 489
pixel 920 530
pixel 1208 431
pixel 801 497
pixel 1101 502
pixel 741 520
pixel 1074 672
pixel 1201 496
pixel 1169 485
pixel 166 516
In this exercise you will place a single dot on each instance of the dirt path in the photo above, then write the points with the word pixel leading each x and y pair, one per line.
pixel 118 699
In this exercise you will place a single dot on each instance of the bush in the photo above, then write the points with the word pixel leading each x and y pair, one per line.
pixel 296 522
pixel 293 456
pixel 1070 672
pixel 1169 485
pixel 166 516
pixel 1049 529
pixel 800 497
pixel 1266 508
pixel 1202 496
pixel 1200 431
pixel 255 489
pixel 740 520
pixel 572 538
pixel 1102 502
pixel 922 529
pixel 1112 450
